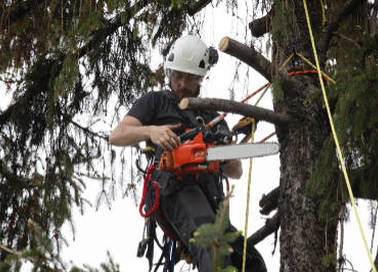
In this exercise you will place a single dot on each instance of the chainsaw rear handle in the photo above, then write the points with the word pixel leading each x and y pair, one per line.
pixel 190 134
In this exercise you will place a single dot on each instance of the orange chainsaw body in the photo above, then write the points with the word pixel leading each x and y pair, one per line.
pixel 189 158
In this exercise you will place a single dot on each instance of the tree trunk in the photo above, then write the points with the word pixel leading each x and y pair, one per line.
pixel 302 239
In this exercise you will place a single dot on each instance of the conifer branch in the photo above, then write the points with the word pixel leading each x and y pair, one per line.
pixel 7 249
pixel 17 13
pixel 111 27
pixel 332 26
pixel 87 130
pixel 363 185
pixel 197 6
pixel 225 105
pixel 271 226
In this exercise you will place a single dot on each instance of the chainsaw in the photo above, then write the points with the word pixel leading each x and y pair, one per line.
pixel 202 151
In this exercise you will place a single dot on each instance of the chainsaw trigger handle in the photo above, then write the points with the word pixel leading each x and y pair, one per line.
pixel 189 135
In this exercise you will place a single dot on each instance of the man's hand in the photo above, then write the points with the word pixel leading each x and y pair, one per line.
pixel 164 136
pixel 131 131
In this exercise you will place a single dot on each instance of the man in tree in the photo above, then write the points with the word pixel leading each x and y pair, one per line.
pixel 187 203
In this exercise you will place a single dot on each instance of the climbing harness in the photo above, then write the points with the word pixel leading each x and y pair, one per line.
pixel 169 257
pixel 334 134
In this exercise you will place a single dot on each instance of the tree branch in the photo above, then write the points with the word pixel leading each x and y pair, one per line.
pixel 225 105
pixel 257 61
pixel 248 55
pixel 99 35
pixel 197 6
pixel 261 25
pixel 269 202
pixel 363 183
pixel 271 226
pixel 332 27
pixel 87 130
pixel 18 12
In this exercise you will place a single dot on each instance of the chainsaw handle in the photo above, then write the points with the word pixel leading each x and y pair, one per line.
pixel 189 135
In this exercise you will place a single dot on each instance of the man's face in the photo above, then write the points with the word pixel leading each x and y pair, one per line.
pixel 185 84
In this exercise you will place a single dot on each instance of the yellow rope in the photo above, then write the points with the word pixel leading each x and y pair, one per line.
pixel 341 158
pixel 308 62
pixel 323 12
pixel 248 198
pixel 313 66
pixel 249 186
pixel 286 61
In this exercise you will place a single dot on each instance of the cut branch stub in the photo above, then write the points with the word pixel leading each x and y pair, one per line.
pixel 261 25
pixel 271 225
pixel 224 105
pixel 248 55
pixel 269 202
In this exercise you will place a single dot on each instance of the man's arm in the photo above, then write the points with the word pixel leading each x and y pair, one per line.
pixel 131 131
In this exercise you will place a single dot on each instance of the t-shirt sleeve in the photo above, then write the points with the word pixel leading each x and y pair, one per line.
pixel 144 109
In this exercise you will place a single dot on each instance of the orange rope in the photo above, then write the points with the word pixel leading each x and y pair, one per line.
pixel 306 72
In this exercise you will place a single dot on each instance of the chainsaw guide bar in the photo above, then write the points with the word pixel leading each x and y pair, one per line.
pixel 241 151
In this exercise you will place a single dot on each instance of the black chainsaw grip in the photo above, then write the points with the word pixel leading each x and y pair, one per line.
pixel 189 135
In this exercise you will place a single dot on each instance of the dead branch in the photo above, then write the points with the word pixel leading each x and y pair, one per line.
pixel 269 202
pixel 271 226
pixel 261 25
pixel 197 6
pixel 225 105
pixel 257 61
pixel 248 55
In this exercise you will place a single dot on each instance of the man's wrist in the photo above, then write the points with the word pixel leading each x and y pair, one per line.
pixel 148 130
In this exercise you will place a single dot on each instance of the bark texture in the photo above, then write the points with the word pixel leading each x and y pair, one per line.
pixel 225 105
pixel 302 240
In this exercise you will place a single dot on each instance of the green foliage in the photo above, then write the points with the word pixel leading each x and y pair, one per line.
pixel 216 237
pixel 65 61
pixel 354 100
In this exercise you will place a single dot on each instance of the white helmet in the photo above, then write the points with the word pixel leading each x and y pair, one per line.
pixel 190 54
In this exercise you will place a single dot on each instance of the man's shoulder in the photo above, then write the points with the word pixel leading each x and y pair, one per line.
pixel 161 94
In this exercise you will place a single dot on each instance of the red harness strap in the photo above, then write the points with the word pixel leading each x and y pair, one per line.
pixel 157 193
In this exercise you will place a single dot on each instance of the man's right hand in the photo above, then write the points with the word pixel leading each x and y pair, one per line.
pixel 164 136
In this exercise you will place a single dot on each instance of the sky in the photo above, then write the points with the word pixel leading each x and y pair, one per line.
pixel 119 229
